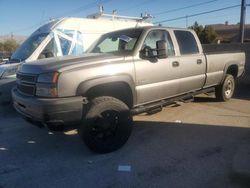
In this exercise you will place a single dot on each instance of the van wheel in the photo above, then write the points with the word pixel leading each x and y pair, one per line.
pixel 225 91
pixel 107 125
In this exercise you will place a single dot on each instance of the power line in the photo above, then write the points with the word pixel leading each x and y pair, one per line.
pixel 182 8
pixel 197 14
pixel 73 11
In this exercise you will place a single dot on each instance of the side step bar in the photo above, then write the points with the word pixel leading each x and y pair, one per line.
pixel 157 106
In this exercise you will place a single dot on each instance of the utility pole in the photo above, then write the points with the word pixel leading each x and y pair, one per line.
pixel 186 21
pixel 242 20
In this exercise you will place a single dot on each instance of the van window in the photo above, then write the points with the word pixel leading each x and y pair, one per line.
pixel 186 41
pixel 157 35
pixel 29 46
pixel 65 45
pixel 63 42
pixel 71 41
pixel 49 51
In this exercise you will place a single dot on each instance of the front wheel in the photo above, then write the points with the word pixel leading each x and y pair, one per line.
pixel 225 91
pixel 107 125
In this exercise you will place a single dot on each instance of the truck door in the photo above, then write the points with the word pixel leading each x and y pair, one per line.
pixel 157 79
pixel 192 62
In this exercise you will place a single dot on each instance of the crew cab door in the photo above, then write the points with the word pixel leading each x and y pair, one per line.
pixel 192 62
pixel 156 78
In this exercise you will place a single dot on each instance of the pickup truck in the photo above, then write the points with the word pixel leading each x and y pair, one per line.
pixel 125 72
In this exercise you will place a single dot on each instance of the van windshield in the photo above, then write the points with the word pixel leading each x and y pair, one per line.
pixel 120 42
pixel 29 46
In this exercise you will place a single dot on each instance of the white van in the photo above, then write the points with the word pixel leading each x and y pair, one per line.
pixel 66 36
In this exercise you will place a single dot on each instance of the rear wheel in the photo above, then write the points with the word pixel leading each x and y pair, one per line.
pixel 225 91
pixel 107 125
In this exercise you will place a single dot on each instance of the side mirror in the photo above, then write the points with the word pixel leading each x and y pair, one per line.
pixel 161 48
pixel 147 53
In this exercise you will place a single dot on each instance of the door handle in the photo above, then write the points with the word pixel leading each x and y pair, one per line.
pixel 199 61
pixel 175 64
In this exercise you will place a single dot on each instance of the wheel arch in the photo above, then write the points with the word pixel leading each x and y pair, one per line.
pixel 232 69
pixel 121 87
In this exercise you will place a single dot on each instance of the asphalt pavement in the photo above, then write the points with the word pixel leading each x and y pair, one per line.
pixel 198 144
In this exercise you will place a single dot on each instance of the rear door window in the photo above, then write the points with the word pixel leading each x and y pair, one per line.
pixel 186 41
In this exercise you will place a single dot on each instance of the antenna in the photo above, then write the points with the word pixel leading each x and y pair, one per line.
pixel 101 9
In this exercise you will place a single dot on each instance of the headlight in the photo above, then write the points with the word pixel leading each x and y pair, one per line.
pixel 47 85
pixel 51 77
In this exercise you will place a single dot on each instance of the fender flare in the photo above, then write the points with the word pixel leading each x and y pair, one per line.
pixel 227 65
pixel 85 86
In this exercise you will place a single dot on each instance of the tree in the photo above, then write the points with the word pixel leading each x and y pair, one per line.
pixel 209 35
pixel 197 28
pixel 206 34
pixel 10 45
pixel 1 47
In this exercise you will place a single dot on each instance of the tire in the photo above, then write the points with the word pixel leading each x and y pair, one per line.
pixel 225 91
pixel 107 125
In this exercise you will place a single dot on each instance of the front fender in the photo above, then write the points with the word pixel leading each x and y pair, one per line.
pixel 85 86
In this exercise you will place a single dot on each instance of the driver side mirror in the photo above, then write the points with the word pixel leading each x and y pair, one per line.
pixel 161 48
pixel 152 54
pixel 147 53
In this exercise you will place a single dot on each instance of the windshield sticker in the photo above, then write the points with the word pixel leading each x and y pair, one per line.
pixel 125 38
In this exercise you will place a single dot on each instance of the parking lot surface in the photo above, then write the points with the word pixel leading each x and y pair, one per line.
pixel 198 144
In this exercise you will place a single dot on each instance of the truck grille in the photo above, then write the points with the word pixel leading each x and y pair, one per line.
pixel 26 78
pixel 26 89
pixel 26 84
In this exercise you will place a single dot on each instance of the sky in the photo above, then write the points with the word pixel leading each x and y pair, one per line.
pixel 22 17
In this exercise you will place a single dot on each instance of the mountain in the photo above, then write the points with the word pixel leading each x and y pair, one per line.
pixel 18 38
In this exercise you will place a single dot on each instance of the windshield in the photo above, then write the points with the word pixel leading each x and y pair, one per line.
pixel 120 42
pixel 29 46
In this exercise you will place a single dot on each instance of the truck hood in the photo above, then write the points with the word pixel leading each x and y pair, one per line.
pixel 65 63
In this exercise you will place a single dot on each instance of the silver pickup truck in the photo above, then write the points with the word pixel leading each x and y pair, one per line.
pixel 126 72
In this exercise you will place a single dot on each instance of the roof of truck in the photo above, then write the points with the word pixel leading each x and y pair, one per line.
pixel 155 27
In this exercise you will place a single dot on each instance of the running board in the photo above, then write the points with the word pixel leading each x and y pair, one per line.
pixel 157 106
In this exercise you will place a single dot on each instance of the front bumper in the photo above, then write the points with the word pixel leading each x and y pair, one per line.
pixel 50 111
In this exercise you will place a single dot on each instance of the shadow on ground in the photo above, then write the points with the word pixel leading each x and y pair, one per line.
pixel 194 144
pixel 6 108
pixel 242 91
pixel 160 154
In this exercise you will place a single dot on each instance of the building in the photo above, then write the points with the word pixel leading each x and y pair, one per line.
pixel 230 33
